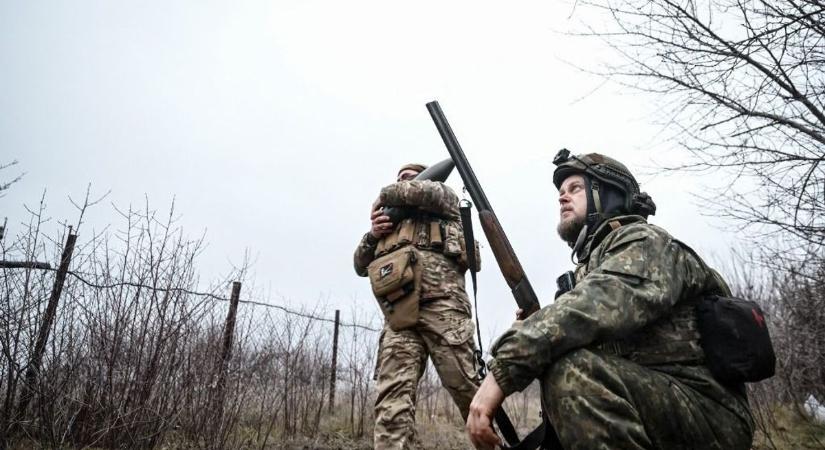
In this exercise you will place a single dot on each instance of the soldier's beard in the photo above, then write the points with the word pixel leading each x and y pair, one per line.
pixel 569 229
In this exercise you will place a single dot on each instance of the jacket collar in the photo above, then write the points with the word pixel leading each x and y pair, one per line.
pixel 603 229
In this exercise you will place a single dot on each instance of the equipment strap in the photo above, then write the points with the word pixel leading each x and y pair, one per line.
pixel 465 207
pixel 543 436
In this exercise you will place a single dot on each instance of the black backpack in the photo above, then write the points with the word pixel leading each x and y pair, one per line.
pixel 735 338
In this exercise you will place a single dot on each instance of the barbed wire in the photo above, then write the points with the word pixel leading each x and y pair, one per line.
pixel 80 277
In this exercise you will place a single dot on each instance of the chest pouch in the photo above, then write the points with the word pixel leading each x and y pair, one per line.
pixel 735 339
pixel 396 284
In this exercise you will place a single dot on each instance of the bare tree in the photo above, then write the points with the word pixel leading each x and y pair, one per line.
pixel 5 185
pixel 744 84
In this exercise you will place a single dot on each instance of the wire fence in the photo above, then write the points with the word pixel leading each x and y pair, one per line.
pixel 121 353
pixel 80 277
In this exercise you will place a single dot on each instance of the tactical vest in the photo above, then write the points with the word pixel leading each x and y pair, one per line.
pixel 673 338
pixel 427 233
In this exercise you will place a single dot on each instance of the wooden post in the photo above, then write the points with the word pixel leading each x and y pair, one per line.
pixel 333 375
pixel 226 354
pixel 33 370
pixel 229 326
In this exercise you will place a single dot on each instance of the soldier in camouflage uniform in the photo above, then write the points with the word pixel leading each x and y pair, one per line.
pixel 444 330
pixel 618 356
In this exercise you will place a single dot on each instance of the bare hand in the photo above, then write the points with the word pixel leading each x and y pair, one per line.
pixel 381 225
pixel 480 420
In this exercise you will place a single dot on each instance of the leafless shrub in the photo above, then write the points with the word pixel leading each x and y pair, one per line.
pixel 792 298
pixel 134 355
pixel 359 368
pixel 24 295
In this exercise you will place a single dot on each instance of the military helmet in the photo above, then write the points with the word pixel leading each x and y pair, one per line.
pixel 620 193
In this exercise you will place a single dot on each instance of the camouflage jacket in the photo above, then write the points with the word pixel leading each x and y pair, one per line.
pixel 635 296
pixel 429 197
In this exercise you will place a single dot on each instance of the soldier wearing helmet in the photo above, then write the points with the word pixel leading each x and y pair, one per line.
pixel 430 317
pixel 617 355
pixel 609 188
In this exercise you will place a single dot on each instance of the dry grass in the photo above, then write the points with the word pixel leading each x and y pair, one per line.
pixel 443 435
pixel 791 430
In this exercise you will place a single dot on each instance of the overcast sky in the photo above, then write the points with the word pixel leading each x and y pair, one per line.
pixel 274 124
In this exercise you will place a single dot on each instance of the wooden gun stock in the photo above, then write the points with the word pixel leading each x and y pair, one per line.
pixel 509 264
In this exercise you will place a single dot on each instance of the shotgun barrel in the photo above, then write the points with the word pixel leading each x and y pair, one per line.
pixel 506 258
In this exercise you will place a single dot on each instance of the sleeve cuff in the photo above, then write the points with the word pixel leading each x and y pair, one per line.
pixel 370 240
pixel 502 377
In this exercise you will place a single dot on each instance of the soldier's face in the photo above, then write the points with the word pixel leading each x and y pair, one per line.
pixel 406 175
pixel 572 207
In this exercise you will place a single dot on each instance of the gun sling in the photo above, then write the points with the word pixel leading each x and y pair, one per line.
pixel 502 419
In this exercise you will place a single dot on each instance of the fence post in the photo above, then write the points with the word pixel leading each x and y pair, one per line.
pixel 33 369
pixel 226 350
pixel 333 376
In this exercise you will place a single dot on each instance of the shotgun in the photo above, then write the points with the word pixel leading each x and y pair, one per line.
pixel 506 258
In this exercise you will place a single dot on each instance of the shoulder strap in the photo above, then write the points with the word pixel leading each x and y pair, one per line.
pixel 465 208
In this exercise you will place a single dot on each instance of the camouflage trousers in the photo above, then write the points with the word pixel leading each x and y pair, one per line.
pixel 444 333
pixel 600 401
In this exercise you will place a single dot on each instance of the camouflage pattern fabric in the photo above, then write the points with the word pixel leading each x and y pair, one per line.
pixel 429 196
pixel 364 254
pixel 601 401
pixel 619 353
pixel 444 330
pixel 445 334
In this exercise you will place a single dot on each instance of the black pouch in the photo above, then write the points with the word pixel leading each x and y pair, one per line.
pixel 735 339
pixel 565 283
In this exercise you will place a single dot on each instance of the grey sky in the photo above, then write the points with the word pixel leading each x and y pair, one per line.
pixel 274 124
